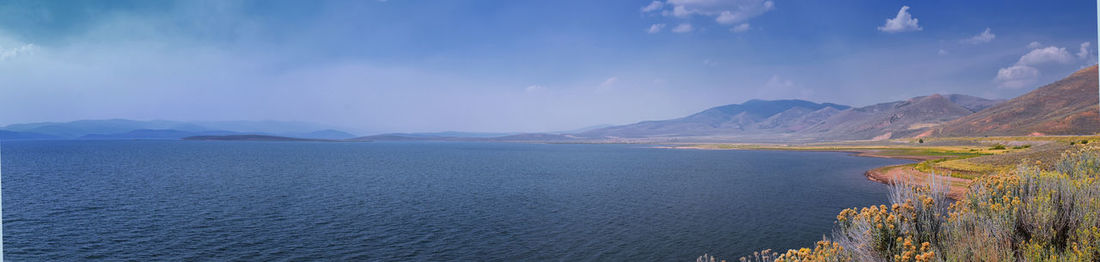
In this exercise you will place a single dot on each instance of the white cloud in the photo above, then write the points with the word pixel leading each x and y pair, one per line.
pixel 725 12
pixel 726 18
pixel 1046 55
pixel 739 9
pixel 656 28
pixel 680 11
pixel 1034 45
pixel 1085 51
pixel 609 82
pixel 1026 73
pixel 608 85
pixel 903 22
pixel 6 53
pixel 683 28
pixel 942 52
pixel 532 88
pixel 741 28
pixel 1087 54
pixel 709 62
pixel 983 37
pixel 1017 76
pixel 653 6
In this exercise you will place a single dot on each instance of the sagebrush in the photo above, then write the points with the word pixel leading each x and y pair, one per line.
pixel 1028 214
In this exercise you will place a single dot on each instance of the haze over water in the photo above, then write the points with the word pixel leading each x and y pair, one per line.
pixel 264 201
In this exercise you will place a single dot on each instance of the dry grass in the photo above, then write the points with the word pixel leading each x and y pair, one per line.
pixel 967 166
pixel 962 157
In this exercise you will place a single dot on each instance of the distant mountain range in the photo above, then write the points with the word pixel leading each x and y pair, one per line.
pixel 116 129
pixel 1066 107
pixel 798 120
pixel 14 135
pixel 255 138
pixel 752 117
pixel 154 134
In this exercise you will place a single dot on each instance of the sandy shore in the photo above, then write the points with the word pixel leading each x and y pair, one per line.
pixel 898 173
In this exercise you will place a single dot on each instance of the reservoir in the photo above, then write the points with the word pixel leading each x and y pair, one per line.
pixel 437 201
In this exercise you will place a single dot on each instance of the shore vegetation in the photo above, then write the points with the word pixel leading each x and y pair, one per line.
pixel 1033 212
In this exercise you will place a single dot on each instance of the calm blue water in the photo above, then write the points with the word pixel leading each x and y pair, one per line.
pixel 272 201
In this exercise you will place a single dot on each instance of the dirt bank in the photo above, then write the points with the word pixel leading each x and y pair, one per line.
pixel 891 174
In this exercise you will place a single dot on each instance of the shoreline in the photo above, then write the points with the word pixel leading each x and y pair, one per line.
pixel 905 173
pixel 887 175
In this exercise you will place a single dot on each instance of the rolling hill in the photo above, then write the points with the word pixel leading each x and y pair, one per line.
pixel 751 117
pixel 14 135
pixel 76 129
pixel 153 134
pixel 798 120
pixel 907 118
pixel 1066 107
pixel 115 129
pixel 254 138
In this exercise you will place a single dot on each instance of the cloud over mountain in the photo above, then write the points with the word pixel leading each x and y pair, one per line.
pixel 1046 55
pixel 1026 70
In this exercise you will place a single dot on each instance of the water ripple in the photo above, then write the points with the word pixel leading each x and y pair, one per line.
pixel 194 201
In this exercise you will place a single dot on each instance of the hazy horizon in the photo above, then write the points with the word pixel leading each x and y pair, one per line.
pixel 503 66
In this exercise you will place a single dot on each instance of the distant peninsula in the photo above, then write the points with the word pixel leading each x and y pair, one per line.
pixel 255 138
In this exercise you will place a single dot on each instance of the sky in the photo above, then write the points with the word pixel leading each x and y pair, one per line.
pixel 515 66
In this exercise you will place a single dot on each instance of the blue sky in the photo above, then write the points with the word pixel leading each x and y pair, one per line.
pixel 527 66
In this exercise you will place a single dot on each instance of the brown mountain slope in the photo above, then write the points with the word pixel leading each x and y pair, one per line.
pixel 889 120
pixel 1066 107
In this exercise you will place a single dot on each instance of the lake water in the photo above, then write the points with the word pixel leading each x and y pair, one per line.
pixel 381 201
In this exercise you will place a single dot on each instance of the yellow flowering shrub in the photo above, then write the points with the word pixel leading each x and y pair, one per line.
pixel 1028 214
